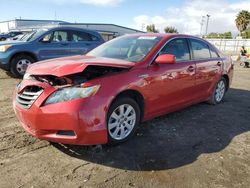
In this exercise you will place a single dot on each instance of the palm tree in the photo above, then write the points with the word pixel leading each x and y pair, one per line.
pixel 242 20
pixel 151 29
pixel 170 30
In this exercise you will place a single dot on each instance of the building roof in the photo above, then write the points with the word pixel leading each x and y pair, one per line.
pixel 31 20
pixel 68 23
pixel 60 22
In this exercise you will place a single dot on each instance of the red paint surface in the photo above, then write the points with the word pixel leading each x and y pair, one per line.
pixel 164 87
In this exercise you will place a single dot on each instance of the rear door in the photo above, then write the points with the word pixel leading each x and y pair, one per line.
pixel 172 85
pixel 82 42
pixel 57 45
pixel 208 67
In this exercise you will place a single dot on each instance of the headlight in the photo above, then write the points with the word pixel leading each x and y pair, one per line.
pixel 27 76
pixel 71 93
pixel 3 48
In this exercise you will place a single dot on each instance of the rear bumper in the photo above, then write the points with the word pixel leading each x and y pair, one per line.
pixel 47 122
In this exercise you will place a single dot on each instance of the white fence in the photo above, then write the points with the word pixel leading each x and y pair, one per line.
pixel 231 46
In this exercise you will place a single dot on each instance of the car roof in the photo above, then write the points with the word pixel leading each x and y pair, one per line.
pixel 164 35
pixel 71 28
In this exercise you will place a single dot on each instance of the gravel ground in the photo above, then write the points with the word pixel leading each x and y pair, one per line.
pixel 200 146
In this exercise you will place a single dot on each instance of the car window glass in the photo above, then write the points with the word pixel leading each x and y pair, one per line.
pixel 200 49
pixel 131 48
pixel 213 53
pixel 12 34
pixel 177 47
pixel 47 37
pixel 78 36
pixel 60 36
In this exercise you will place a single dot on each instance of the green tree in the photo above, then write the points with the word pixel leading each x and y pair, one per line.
pixel 242 20
pixel 226 35
pixel 170 29
pixel 151 29
pixel 247 33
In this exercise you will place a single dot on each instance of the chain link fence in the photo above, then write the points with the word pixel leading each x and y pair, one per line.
pixel 231 46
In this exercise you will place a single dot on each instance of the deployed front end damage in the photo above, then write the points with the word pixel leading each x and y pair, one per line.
pixel 53 107
pixel 89 73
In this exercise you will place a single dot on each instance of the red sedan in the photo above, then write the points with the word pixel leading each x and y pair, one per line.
pixel 103 96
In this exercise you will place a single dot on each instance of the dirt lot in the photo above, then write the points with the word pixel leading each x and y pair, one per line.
pixel 201 146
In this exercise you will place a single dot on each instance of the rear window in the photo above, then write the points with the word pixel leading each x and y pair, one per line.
pixel 200 49
pixel 78 36
pixel 213 53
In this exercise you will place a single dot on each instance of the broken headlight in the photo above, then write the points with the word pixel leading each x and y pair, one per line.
pixel 70 93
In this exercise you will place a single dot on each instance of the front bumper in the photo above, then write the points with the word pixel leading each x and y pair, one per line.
pixel 79 116
pixel 5 60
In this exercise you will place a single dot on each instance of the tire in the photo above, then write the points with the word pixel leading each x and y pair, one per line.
pixel 218 92
pixel 19 65
pixel 120 127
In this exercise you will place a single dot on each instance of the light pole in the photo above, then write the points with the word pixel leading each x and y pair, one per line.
pixel 202 22
pixel 207 23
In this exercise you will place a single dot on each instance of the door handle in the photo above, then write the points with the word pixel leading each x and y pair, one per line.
pixel 191 68
pixel 219 63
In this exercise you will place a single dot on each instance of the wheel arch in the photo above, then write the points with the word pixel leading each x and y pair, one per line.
pixel 134 94
pixel 32 55
pixel 226 77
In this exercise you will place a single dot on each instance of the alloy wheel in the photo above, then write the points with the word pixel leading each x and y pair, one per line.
pixel 122 121
pixel 220 91
pixel 22 65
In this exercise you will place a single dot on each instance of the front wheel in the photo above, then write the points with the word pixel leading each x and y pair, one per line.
pixel 122 120
pixel 19 65
pixel 219 92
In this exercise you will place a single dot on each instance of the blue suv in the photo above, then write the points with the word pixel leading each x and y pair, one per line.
pixel 15 56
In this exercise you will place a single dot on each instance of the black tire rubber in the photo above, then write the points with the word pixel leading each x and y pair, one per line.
pixel 114 105
pixel 14 62
pixel 212 99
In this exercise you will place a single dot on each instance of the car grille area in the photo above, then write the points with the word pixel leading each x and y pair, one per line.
pixel 28 96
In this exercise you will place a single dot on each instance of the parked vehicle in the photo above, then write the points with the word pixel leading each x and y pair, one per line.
pixel 103 96
pixel 46 44
pixel 11 34
pixel 18 37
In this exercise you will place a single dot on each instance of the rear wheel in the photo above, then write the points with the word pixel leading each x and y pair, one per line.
pixel 122 120
pixel 219 92
pixel 19 65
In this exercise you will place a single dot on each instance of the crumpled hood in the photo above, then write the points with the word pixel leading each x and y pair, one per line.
pixel 73 64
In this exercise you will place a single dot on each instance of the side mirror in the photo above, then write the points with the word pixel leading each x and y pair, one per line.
pixel 166 59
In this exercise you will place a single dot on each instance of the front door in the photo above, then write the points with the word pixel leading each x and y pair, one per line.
pixel 172 85
pixel 58 45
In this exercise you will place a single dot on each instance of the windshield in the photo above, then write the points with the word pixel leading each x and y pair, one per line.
pixel 130 48
pixel 33 35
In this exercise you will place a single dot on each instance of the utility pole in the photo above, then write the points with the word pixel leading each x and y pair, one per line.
pixel 207 23
pixel 142 26
pixel 202 23
pixel 55 16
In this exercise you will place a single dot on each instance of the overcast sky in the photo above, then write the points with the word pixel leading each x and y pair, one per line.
pixel 185 15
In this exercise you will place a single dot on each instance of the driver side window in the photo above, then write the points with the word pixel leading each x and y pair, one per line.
pixel 179 48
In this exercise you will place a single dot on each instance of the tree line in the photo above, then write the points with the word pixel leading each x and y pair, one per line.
pixel 169 29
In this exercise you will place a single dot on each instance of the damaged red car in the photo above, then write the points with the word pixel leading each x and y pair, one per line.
pixel 102 97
